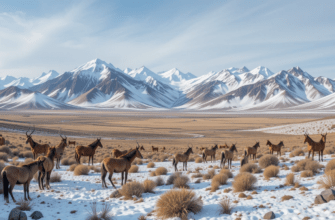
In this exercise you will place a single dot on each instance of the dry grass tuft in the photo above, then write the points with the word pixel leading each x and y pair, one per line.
pixel 250 168
pixel 330 165
pixel 244 181
pixel 159 181
pixel 271 171
pixel 131 189
pixel 327 180
pixel 93 213
pixel 177 203
pixel 3 156
pixel 249 197
pixel 24 205
pixel 289 179
pixel 297 152
pixel 286 197
pixel 72 167
pixel 225 206
pixel 307 173
pixel 2 165
pixel 227 172
pixel 26 154
pixel 181 181
pixel 220 178
pixel 133 169
pixel 172 177
pixel 160 171
pixel 198 160
pixel 68 161
pixel 307 164
pixel 151 165
pixel 105 212
pixel 242 195
pixel 149 186
pixel 81 170
pixel 268 160
pixel 55 177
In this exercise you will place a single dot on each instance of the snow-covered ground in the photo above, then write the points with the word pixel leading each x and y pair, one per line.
pixel 315 127
pixel 79 192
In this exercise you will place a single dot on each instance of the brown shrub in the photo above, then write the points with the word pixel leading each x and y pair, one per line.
pixel 329 150
pixel 297 152
pixel 5 149
pixel 3 156
pixel 131 189
pixel 286 197
pixel 81 170
pixel 2 165
pixel 214 186
pixel 138 161
pixel 149 186
pixel 72 167
pixel 225 206
pixel 220 178
pixel 181 181
pixel 24 205
pixel 160 171
pixel 197 175
pixel 159 181
pixel 26 154
pixel 327 180
pixel 55 177
pixel 68 161
pixel 330 165
pixel 250 168
pixel 172 177
pixel 244 181
pixel 271 171
pixel 268 160
pixel 133 169
pixel 178 203
pixel 307 173
pixel 151 165
pixel 198 160
pixel 227 173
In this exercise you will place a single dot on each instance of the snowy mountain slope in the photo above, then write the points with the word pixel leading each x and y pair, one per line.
pixel 325 103
pixel 175 76
pixel 45 77
pixel 16 98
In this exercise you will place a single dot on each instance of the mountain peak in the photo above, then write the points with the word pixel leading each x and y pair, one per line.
pixel 261 70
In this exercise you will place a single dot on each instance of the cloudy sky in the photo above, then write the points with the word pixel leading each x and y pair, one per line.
pixel 195 36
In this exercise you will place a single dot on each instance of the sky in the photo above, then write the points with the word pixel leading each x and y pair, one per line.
pixel 196 36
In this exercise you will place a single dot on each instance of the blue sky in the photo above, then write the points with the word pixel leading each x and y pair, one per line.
pixel 195 36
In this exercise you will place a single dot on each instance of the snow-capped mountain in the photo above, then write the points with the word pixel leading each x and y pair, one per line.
pixel 97 84
pixel 16 98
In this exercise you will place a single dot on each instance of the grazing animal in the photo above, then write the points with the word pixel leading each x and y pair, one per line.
pixel 210 152
pixel 244 160
pixel 154 149
pixel 142 148
pixel 22 174
pixel 163 149
pixel 315 146
pixel 2 140
pixel 228 155
pixel 182 158
pixel 118 165
pixel 252 150
pixel 202 148
pixel 72 142
pixel 273 147
pixel 60 150
pixel 48 165
pixel 116 153
pixel 87 151
pixel 36 148
pixel 224 146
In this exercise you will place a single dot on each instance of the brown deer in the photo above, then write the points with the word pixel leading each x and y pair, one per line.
pixel 315 146
pixel 228 155
pixel 273 147
pixel 36 148
pixel 154 149
pixel 116 153
pixel 22 174
pixel 210 152
pixel 142 148
pixel 163 149
pixel 87 151
pixel 182 158
pixel 224 146
pixel 252 150
pixel 48 165
pixel 2 140
pixel 244 159
pixel 72 142
pixel 118 165
pixel 60 150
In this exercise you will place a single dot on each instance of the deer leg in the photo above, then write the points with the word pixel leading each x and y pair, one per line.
pixel 125 181
pixel 313 155
pixel 48 180
pixel 110 179
pixel 11 191
pixel 39 180
pixel 28 183
pixel 103 178
pixel 122 178
pixel 25 191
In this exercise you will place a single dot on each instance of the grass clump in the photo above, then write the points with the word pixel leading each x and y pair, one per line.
pixel 290 180
pixel 297 152
pixel 330 165
pixel 55 177
pixel 24 205
pixel 149 186
pixel 307 173
pixel 271 171
pixel 72 167
pixel 198 160
pixel 227 172
pixel 327 181
pixel 131 189
pixel 268 160
pixel 225 206
pixel 159 181
pixel 178 203
pixel 68 161
pixel 81 170
pixel 103 215
pixel 250 168
pixel 307 164
pixel 3 156
pixel 160 171
pixel 181 181
pixel 151 165
pixel 133 169
pixel 244 181
pixel 286 197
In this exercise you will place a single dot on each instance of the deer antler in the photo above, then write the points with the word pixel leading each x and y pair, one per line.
pixel 33 131
pixel 137 144
pixel 27 131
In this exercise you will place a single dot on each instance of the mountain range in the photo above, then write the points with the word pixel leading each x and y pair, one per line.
pixel 99 85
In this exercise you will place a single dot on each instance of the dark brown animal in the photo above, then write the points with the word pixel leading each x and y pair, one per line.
pixel 118 165
pixel 224 146
pixel 315 146
pixel 116 153
pixel 60 150
pixel 182 158
pixel 154 149
pixel 22 174
pixel 142 148
pixel 72 142
pixel 87 151
pixel 244 159
pixel 36 148
pixel 2 140
pixel 48 166
pixel 273 147
pixel 228 155
pixel 163 149
pixel 210 152
pixel 252 150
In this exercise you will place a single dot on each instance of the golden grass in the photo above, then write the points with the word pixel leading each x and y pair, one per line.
pixel 160 171
pixel 330 165
pixel 244 181
pixel 307 173
pixel 133 169
pixel 81 170
pixel 297 152
pixel 225 206
pixel 149 186
pixel 131 189
pixel 327 181
pixel 227 172
pixel 271 171
pixel 286 197
pixel 151 165
pixel 268 160
pixel 250 168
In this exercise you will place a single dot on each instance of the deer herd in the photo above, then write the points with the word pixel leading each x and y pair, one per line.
pixel 122 160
